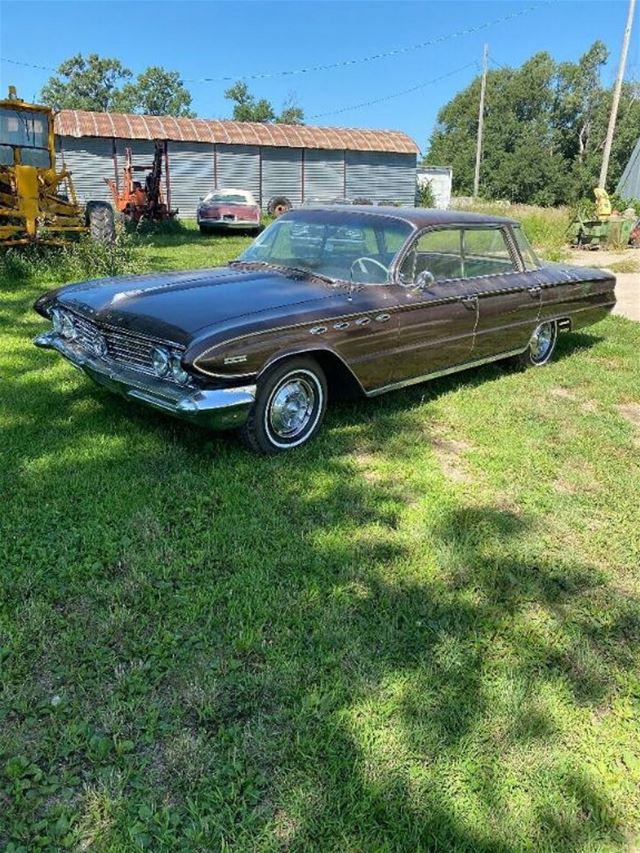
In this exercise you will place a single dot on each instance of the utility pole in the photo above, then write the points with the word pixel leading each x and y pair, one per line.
pixel 483 86
pixel 616 96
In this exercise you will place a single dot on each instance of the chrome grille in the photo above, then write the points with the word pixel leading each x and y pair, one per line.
pixel 87 333
pixel 129 350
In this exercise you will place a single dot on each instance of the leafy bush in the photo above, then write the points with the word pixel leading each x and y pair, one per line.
pixel 621 204
pixel 585 208
pixel 425 196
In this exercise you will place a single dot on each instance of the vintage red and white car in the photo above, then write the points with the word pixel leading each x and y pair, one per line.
pixel 228 209
pixel 325 303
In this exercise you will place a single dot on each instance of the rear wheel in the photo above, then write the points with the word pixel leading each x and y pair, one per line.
pixel 100 221
pixel 541 346
pixel 278 205
pixel 289 407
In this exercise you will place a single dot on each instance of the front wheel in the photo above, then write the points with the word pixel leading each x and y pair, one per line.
pixel 100 221
pixel 541 346
pixel 289 407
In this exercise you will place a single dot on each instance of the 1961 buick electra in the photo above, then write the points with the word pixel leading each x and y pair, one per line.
pixel 325 302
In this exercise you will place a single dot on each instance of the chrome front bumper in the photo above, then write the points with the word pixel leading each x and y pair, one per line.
pixel 222 408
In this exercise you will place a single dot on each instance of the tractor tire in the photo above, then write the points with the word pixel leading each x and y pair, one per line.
pixel 100 221
pixel 278 205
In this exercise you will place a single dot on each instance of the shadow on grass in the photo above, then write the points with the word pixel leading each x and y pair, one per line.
pixel 290 661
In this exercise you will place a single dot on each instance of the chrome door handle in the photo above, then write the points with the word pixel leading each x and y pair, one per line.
pixel 382 318
pixel 534 291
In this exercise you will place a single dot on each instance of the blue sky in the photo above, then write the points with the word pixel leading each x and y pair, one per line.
pixel 216 39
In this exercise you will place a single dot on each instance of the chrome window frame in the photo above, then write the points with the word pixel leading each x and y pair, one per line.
pixel 505 227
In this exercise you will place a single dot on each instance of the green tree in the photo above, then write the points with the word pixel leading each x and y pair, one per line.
pixel 578 94
pixel 248 108
pixel 156 92
pixel 103 84
pixel 545 125
pixel 291 112
pixel 81 83
pixel 587 171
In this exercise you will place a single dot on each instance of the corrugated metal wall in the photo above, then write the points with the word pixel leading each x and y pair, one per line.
pixel 190 175
pixel 380 176
pixel 90 160
pixel 195 168
pixel 282 174
pixel 239 167
pixel 323 174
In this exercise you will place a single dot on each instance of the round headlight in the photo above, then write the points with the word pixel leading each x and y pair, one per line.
pixel 67 329
pixel 56 319
pixel 179 373
pixel 161 361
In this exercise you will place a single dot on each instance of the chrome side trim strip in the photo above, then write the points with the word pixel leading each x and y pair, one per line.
pixel 415 380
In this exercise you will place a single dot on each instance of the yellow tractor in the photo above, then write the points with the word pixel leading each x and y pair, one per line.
pixel 38 204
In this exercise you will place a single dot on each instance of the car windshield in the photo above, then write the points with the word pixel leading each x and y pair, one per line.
pixel 345 246
pixel 228 198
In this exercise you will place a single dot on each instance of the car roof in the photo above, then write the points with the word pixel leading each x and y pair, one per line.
pixel 422 217
pixel 229 190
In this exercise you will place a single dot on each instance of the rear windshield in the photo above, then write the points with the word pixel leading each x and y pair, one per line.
pixel 228 198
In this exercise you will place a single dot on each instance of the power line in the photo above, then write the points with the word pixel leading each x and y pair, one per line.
pixel 499 64
pixel 27 64
pixel 374 57
pixel 344 63
pixel 395 94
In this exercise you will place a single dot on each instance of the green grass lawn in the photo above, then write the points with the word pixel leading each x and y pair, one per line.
pixel 420 632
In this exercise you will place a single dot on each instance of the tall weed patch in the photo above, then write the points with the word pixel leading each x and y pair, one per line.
pixel 85 259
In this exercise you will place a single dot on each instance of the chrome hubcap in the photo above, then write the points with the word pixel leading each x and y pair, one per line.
pixel 541 342
pixel 292 407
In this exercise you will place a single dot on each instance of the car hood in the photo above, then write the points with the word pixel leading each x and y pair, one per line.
pixel 176 306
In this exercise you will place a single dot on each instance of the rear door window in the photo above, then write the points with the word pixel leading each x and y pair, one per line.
pixel 486 252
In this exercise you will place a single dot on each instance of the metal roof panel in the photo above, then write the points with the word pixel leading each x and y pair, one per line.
pixel 80 123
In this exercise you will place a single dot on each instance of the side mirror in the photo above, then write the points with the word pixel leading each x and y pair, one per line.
pixel 425 279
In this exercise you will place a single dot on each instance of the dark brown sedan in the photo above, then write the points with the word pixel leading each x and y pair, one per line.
pixel 326 302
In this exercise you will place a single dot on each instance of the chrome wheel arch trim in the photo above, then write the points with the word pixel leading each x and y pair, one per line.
pixel 309 352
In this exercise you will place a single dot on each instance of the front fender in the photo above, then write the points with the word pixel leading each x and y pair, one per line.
pixel 251 353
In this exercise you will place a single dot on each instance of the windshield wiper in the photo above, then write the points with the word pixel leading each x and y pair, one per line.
pixel 306 271
pixel 284 268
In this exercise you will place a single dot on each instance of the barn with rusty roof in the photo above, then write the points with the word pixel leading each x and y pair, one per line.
pixel 296 161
